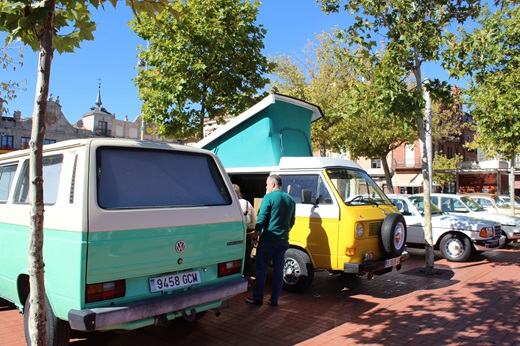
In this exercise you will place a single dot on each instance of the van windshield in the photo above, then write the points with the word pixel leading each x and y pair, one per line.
pixel 356 187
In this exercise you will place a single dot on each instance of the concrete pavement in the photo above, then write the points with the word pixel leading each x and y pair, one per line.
pixel 470 303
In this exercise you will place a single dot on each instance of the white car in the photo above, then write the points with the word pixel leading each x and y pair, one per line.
pixel 463 205
pixel 456 236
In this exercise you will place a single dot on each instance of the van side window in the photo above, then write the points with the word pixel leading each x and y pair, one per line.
pixel 51 179
pixel 6 181
pixel 294 184
pixel 137 178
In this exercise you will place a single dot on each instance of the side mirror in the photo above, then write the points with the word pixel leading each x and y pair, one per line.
pixel 306 196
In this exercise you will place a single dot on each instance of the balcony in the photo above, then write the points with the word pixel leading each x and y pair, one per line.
pixel 103 132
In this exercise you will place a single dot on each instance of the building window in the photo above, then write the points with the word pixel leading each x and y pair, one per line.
pixel 376 163
pixel 25 143
pixel 450 153
pixel 49 141
pixel 7 142
pixel 102 129
pixel 409 156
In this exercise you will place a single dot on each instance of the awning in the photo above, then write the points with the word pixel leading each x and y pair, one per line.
pixel 407 179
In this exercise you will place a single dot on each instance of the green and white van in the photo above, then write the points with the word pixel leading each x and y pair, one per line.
pixel 135 234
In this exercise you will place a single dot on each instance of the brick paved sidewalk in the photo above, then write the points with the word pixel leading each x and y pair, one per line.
pixel 476 302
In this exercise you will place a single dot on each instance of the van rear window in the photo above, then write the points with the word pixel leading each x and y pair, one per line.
pixel 143 178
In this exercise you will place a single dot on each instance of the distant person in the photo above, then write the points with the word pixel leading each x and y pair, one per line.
pixel 274 221
pixel 249 214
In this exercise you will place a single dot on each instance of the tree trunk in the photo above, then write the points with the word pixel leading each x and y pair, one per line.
pixel 388 177
pixel 512 184
pixel 421 126
pixel 37 317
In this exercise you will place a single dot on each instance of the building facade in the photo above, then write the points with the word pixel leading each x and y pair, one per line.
pixel 97 122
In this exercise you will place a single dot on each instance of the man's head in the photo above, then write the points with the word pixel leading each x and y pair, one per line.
pixel 273 182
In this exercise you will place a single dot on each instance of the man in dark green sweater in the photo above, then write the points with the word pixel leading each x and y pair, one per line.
pixel 273 223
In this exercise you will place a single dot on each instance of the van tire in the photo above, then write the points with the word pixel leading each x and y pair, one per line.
pixel 393 234
pixel 298 271
pixel 58 331
pixel 455 247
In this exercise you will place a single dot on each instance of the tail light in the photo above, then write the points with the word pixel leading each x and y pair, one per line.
pixel 105 290
pixel 229 268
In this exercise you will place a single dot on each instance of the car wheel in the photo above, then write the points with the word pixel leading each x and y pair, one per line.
pixel 455 247
pixel 507 239
pixel 393 234
pixel 58 331
pixel 298 272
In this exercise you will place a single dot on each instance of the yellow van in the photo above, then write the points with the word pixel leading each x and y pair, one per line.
pixel 344 222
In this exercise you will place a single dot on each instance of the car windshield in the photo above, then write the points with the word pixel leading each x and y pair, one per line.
pixel 498 202
pixel 356 187
pixel 418 202
pixel 507 201
pixel 471 204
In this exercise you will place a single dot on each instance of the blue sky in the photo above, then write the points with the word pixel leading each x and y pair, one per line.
pixel 111 58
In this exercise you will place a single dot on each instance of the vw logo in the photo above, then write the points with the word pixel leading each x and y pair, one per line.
pixel 180 246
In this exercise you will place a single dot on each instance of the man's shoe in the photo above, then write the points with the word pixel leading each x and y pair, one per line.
pixel 273 304
pixel 251 300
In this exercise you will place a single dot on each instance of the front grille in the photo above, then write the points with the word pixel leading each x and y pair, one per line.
pixel 498 231
pixel 374 229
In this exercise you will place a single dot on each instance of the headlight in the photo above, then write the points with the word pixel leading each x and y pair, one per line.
pixel 360 230
pixel 487 232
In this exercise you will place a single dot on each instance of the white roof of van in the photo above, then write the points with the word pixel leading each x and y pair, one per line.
pixel 299 163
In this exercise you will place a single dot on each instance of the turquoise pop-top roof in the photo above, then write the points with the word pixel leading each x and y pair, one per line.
pixel 276 127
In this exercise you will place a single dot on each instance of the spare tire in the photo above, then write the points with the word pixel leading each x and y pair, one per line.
pixel 393 234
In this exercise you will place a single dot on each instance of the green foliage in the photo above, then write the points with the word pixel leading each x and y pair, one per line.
pixel 444 168
pixel 72 24
pixel 411 32
pixel 490 57
pixel 24 20
pixel 379 108
pixel 204 64
pixel 9 88
pixel 447 118
pixel 319 77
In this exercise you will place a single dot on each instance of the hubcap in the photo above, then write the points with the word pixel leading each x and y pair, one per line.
pixel 454 247
pixel 399 236
pixel 291 271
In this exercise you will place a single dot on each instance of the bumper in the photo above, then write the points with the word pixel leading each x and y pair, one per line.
pixel 511 232
pixel 483 245
pixel 97 318
pixel 370 267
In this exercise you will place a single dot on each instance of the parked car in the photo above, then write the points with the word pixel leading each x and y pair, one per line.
pixel 507 201
pixel 492 203
pixel 462 204
pixel 456 236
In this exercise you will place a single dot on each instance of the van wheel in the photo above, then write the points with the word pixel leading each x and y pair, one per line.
pixel 393 234
pixel 298 272
pixel 58 331
pixel 455 247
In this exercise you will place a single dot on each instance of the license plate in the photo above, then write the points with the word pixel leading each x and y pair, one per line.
pixel 392 262
pixel 169 282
